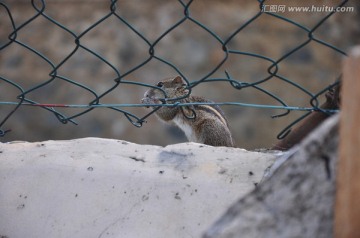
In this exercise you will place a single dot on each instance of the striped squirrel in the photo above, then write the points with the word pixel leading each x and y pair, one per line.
pixel 201 123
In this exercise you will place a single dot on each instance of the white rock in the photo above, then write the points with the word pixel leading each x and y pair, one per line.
pixel 107 188
pixel 297 198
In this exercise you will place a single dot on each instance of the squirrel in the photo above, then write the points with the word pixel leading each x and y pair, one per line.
pixel 204 124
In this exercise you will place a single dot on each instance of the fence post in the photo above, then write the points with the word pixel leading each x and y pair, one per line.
pixel 347 204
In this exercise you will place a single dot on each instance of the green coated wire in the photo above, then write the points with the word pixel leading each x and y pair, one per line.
pixel 23 98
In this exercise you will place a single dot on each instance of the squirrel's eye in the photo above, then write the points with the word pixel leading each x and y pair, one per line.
pixel 160 84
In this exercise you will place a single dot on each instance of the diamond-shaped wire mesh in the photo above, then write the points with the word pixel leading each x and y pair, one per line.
pixel 65 89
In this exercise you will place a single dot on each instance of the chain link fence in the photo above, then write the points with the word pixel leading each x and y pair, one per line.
pixel 151 49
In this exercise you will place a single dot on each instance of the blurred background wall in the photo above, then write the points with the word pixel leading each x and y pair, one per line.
pixel 188 47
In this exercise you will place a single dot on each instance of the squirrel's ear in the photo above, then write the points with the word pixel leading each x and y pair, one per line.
pixel 178 80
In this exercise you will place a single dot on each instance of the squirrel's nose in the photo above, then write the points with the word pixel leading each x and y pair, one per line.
pixel 145 101
pixel 146 94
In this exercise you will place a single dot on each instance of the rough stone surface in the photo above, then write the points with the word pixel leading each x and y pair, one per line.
pixel 109 188
pixel 296 201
